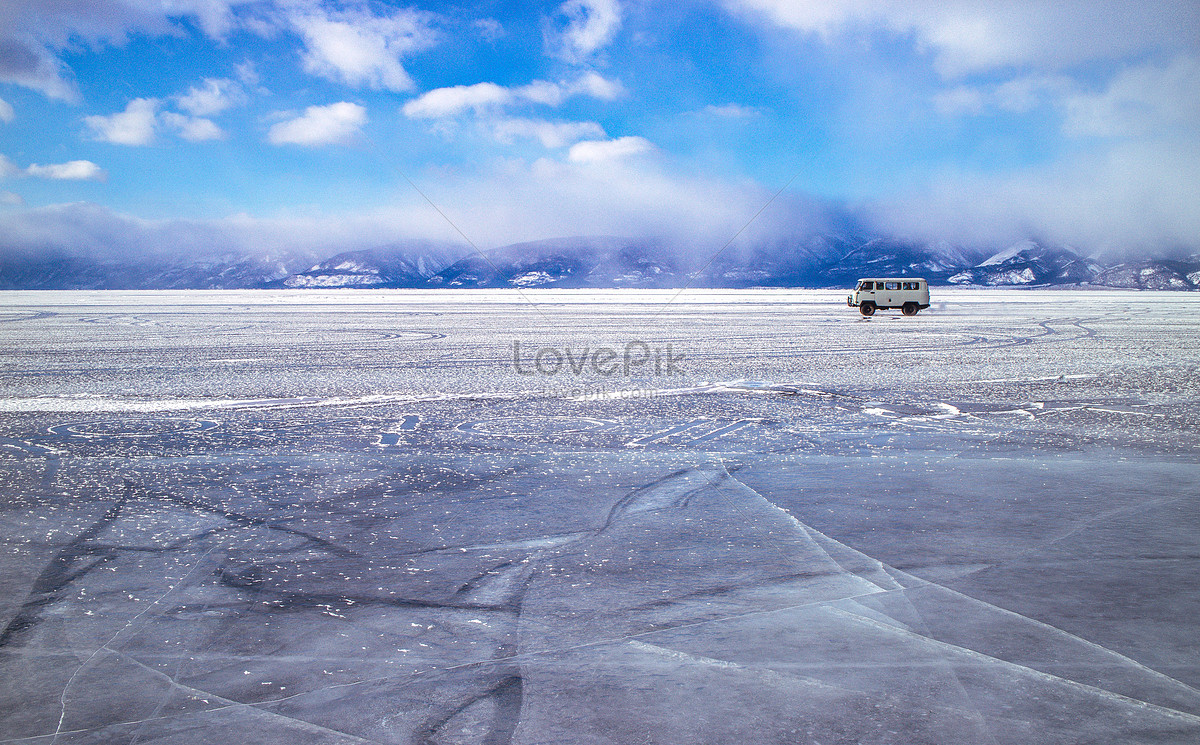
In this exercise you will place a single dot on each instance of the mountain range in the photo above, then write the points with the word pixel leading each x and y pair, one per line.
pixel 822 260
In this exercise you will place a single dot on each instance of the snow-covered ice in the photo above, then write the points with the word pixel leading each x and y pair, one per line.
pixel 353 517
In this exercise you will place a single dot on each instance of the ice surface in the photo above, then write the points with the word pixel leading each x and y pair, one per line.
pixel 349 517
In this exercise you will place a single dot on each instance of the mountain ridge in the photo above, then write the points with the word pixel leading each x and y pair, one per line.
pixel 817 261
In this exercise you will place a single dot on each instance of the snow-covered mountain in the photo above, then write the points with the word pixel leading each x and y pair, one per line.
pixel 889 257
pixel 1029 263
pixel 58 270
pixel 567 262
pixel 406 264
pixel 1154 275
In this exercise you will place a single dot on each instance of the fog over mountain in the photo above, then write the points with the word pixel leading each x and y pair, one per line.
pixel 105 251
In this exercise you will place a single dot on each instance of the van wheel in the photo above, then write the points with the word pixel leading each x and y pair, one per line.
pixel 867 309
pixel 910 309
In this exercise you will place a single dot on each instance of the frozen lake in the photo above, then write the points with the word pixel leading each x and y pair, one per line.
pixel 599 517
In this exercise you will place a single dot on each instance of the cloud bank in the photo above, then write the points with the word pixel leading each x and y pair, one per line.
pixel 610 194
pixel 970 36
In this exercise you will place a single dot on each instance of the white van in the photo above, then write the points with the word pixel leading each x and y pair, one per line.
pixel 906 293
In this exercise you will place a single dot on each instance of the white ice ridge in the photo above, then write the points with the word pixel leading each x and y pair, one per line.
pixel 99 404
pixel 894 581
pixel 1044 379
pixel 1023 670
pixel 764 673
pixel 111 404
pixel 727 386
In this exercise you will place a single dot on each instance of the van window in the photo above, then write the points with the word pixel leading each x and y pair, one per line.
pixel 866 285
pixel 892 285
pixel 910 285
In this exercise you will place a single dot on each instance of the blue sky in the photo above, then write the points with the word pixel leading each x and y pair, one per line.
pixel 262 125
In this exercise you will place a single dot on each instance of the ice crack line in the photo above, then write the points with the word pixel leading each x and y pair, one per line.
pixel 1099 647
pixel 62 699
pixel 972 654
pixel 228 704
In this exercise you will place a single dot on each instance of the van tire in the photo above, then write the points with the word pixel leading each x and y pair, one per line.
pixel 867 309
pixel 910 309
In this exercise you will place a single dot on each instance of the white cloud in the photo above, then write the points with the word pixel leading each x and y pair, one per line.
pixel 139 123
pixel 730 111
pixel 212 96
pixel 247 73
pixel 597 86
pixel 1146 100
pixel 963 99
pixel 590 26
pixel 550 134
pixel 33 33
pixel 452 101
pixel 981 35
pixel 594 151
pixel 489 97
pixel 6 111
pixel 133 126
pixel 75 170
pixel 541 92
pixel 193 129
pixel 320 125
pixel 359 48
pixel 489 28
pixel 34 66
pixel 1024 94
pixel 1019 95
pixel 488 102
pixel 11 198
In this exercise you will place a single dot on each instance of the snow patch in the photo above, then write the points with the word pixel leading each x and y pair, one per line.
pixel 333 280
pixel 531 279
pixel 1009 253
pixel 1023 277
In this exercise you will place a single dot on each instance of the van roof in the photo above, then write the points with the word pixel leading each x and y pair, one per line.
pixel 891 279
